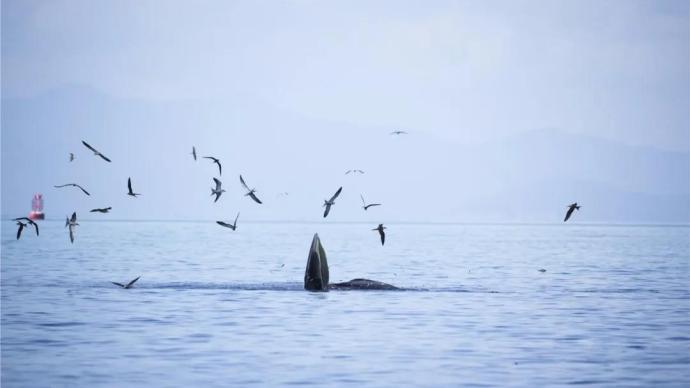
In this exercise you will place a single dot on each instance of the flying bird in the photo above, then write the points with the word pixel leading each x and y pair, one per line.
pixel 250 192
pixel 354 172
pixel 194 152
pixel 28 220
pixel 364 204
pixel 128 285
pixel 71 156
pixel 95 151
pixel 21 226
pixel 101 210
pixel 216 161
pixel 73 185
pixel 398 133
pixel 218 190
pixel 571 208
pixel 129 187
pixel 72 223
pixel 232 226
pixel 381 233
pixel 328 203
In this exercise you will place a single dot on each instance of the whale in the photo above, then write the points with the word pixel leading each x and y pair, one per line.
pixel 316 275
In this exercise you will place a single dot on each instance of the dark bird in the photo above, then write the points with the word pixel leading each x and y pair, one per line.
pixel 354 172
pixel 71 156
pixel 328 203
pixel 542 270
pixel 28 220
pixel 129 187
pixel 217 191
pixel 381 233
pixel 250 192
pixel 95 151
pixel 73 185
pixel 194 152
pixel 398 133
pixel 128 285
pixel 101 210
pixel 364 204
pixel 232 226
pixel 21 227
pixel 72 223
pixel 216 161
pixel 571 208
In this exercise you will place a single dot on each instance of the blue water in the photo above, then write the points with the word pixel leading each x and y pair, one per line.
pixel 216 308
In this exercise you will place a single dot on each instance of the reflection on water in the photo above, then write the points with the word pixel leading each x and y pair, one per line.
pixel 218 308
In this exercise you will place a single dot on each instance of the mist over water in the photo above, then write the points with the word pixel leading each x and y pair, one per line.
pixel 217 307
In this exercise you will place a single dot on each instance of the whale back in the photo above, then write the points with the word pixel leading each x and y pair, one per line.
pixel 316 273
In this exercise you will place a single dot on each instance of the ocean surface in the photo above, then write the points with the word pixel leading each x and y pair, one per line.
pixel 217 308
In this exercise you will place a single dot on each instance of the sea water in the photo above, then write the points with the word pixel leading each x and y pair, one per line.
pixel 217 308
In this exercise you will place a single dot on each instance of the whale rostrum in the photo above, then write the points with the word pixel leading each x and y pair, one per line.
pixel 316 274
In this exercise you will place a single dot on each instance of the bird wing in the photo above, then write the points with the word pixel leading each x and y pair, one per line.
pixel 383 236
pixel 220 168
pixel 35 226
pixel 243 183
pixel 254 197
pixel 372 204
pixel 363 203
pixel 218 184
pixel 194 152
pixel 118 284
pixel 74 217
pixel 337 193
pixel 348 171
pixel 103 156
pixel 19 231
pixel 568 214
pixel 22 218
pixel 221 223
pixel 328 209
pixel 71 233
pixel 217 196
pixel 236 217
pixel 65 185
pixel 82 189
pixel 132 282
pixel 129 185
pixel 88 146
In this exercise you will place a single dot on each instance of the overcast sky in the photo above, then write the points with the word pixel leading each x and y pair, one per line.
pixel 455 72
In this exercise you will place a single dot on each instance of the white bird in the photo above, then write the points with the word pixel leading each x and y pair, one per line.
pixel 72 223
pixel 330 202
pixel 232 226
pixel 250 192
pixel 218 190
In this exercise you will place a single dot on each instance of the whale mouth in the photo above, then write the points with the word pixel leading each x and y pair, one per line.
pixel 316 273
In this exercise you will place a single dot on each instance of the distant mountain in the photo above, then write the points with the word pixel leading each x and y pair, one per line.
pixel 528 177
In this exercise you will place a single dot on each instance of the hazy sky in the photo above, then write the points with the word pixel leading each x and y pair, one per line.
pixel 453 72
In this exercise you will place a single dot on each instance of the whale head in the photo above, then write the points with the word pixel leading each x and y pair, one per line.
pixel 316 274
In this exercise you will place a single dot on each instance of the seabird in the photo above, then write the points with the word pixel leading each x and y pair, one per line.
pixel 571 208
pixel 364 204
pixel 73 185
pixel 21 227
pixel 71 156
pixel 129 186
pixel 328 203
pixel 232 226
pixel 216 161
pixel 95 151
pixel 398 133
pixel 382 233
pixel 101 210
pixel 194 152
pixel 72 223
pixel 128 285
pixel 354 172
pixel 250 191
pixel 217 191
pixel 30 221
